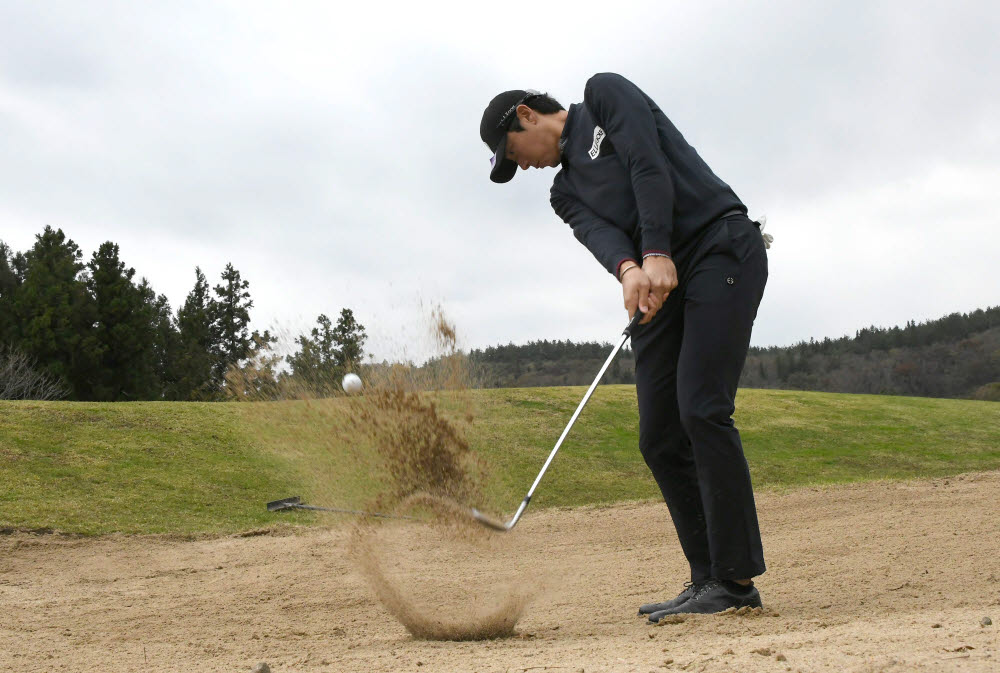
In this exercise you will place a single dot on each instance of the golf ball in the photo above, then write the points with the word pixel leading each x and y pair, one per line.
pixel 351 383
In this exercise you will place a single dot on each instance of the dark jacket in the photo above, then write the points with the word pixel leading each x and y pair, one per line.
pixel 629 183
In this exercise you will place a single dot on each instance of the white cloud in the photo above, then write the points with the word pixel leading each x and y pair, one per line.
pixel 331 152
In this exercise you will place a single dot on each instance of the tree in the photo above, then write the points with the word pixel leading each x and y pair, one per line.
pixel 124 330
pixel 255 378
pixel 230 315
pixel 166 343
pixel 20 378
pixel 55 314
pixel 350 337
pixel 317 362
pixel 192 371
pixel 328 353
pixel 10 281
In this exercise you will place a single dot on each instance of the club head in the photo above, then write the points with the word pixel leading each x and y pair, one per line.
pixel 284 503
pixel 488 522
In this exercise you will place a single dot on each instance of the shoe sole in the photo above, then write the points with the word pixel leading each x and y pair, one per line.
pixel 756 603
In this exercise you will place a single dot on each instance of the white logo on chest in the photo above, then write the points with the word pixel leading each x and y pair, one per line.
pixel 595 149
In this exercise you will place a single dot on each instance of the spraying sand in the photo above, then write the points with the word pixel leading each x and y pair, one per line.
pixel 432 475
pixel 410 459
pixel 396 559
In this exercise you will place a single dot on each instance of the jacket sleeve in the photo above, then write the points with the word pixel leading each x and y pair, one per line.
pixel 609 244
pixel 621 109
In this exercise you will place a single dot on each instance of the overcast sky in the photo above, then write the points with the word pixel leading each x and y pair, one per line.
pixel 331 152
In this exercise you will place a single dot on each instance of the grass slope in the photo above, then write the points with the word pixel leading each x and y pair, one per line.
pixel 188 467
pixel 142 467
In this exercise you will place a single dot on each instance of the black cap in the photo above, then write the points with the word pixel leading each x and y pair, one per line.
pixel 493 130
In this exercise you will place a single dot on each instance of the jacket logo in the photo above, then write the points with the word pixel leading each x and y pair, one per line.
pixel 595 149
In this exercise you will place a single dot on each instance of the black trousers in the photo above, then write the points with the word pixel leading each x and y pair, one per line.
pixel 688 363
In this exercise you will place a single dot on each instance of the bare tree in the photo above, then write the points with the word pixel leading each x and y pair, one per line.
pixel 20 380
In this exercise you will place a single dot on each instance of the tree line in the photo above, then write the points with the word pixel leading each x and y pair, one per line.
pixel 548 363
pixel 957 355
pixel 90 330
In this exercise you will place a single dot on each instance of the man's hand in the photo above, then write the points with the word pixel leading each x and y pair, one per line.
pixel 647 287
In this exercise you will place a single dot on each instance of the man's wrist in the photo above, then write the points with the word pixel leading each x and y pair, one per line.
pixel 626 269
pixel 624 266
pixel 655 253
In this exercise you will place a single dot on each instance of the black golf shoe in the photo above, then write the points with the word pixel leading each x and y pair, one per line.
pixel 711 597
pixel 689 589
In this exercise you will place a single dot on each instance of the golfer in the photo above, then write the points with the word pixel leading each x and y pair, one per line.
pixel 679 241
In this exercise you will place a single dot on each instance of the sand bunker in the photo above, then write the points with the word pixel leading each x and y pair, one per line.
pixel 868 578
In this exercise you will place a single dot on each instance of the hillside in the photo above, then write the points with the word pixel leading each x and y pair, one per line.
pixel 151 467
pixel 956 356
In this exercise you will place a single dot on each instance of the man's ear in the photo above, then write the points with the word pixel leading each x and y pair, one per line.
pixel 526 115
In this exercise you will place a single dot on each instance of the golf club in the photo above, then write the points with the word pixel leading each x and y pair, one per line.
pixel 504 527
pixel 295 502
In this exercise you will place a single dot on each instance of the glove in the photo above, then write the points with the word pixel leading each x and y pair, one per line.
pixel 768 238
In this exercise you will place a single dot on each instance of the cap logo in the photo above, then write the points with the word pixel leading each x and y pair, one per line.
pixel 528 93
pixel 595 149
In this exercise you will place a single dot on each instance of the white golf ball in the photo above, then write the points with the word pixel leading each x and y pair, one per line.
pixel 351 383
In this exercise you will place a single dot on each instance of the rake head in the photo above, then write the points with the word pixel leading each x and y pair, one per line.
pixel 284 503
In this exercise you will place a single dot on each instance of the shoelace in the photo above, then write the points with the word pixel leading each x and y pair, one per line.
pixel 706 586
pixel 694 585
pixel 768 238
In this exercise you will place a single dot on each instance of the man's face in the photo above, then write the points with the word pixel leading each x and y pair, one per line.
pixel 537 146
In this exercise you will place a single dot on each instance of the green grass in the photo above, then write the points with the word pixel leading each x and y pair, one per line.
pixel 144 467
pixel 191 468
pixel 791 439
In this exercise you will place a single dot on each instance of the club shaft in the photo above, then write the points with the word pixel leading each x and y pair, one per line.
pixel 499 526
pixel 583 403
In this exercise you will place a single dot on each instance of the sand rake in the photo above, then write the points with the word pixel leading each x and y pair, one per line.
pixel 504 527
pixel 295 502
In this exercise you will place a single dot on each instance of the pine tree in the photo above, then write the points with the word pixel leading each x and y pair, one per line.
pixel 124 330
pixel 55 314
pixel 318 361
pixel 350 337
pixel 230 315
pixel 255 378
pixel 328 353
pixel 166 344
pixel 10 282
pixel 192 370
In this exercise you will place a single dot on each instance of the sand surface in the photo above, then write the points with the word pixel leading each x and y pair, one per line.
pixel 878 577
